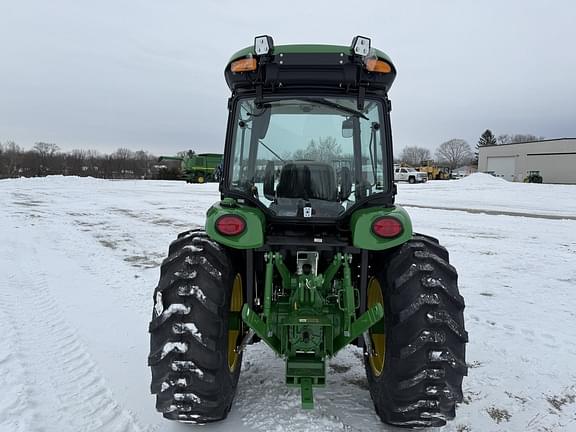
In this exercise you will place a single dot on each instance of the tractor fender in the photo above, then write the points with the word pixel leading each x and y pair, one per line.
pixel 253 234
pixel 361 226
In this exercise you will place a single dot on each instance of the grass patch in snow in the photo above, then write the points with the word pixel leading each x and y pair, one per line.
pixel 470 396
pixel 560 400
pixel 498 414
pixel 109 244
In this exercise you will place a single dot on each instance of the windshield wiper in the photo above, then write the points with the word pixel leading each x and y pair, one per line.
pixel 266 103
pixel 271 151
pixel 322 101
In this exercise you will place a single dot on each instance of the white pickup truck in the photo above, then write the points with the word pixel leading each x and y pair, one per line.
pixel 410 175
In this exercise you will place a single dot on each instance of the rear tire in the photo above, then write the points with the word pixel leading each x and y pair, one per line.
pixel 416 368
pixel 194 373
pixel 411 180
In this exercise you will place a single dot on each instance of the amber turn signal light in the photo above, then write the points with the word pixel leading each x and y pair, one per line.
pixel 244 65
pixel 375 65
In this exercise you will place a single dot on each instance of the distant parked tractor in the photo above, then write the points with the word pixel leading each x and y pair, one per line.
pixel 198 168
pixel 307 251
pixel 533 177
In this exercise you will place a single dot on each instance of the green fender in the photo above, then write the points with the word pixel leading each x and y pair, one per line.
pixel 253 234
pixel 361 227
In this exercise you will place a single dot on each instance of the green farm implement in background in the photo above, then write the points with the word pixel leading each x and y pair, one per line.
pixel 198 168
pixel 307 251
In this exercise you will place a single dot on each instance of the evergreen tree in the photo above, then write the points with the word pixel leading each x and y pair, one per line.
pixel 486 139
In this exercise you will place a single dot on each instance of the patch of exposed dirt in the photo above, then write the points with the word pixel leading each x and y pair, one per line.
pixel 337 368
pixel 359 382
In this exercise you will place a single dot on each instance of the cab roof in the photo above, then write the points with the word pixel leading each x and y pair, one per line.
pixel 309 66
pixel 305 49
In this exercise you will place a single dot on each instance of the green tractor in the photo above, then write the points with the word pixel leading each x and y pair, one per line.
pixel 533 177
pixel 306 251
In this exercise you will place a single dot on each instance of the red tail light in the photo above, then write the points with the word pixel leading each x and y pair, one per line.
pixel 387 227
pixel 230 225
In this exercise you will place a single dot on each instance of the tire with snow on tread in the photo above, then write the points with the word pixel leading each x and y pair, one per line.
pixel 424 363
pixel 189 332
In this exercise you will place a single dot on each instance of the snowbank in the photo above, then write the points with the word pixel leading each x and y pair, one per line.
pixel 481 179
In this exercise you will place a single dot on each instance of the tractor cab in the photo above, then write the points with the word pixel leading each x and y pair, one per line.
pixel 308 133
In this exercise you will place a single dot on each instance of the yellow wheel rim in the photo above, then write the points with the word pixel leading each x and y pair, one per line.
pixel 377 332
pixel 234 322
pixel 200 179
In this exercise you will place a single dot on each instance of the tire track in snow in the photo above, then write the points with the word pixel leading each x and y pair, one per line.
pixel 72 394
pixel 16 398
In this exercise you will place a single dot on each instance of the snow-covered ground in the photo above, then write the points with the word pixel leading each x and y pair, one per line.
pixel 79 260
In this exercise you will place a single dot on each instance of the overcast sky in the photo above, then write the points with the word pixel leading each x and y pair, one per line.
pixel 149 74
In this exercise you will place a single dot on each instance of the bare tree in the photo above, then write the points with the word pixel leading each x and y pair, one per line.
pixel 10 159
pixel 415 156
pixel 326 148
pixel 143 163
pixel 94 161
pixel 46 151
pixel 122 163
pixel 454 153
pixel 504 139
pixel 517 138
pixel 76 162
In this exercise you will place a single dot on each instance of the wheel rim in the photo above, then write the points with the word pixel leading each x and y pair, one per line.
pixel 378 331
pixel 234 322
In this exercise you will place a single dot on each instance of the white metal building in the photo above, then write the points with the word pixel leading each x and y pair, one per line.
pixel 554 158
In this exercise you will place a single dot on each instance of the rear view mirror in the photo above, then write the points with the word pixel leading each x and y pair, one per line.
pixel 347 128
pixel 269 181
pixel 345 183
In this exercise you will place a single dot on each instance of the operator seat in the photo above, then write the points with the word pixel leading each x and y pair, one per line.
pixel 307 180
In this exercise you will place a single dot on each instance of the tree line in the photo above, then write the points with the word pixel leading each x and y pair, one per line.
pixel 456 153
pixel 47 159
